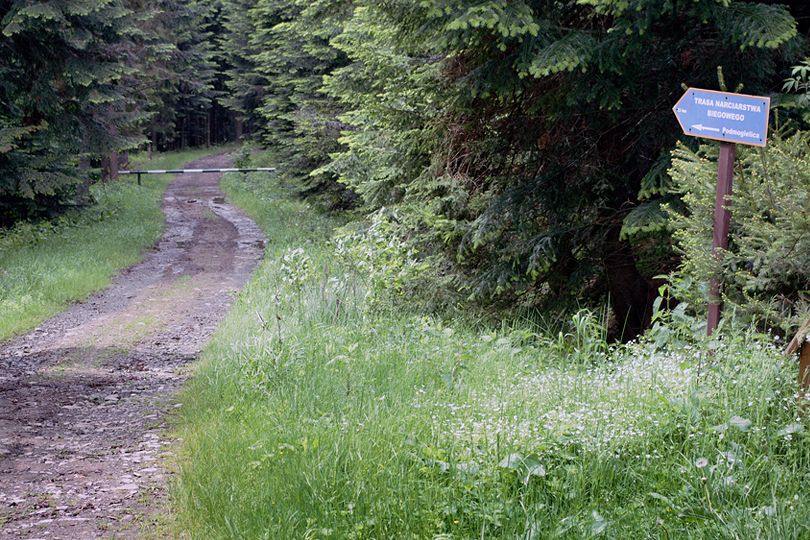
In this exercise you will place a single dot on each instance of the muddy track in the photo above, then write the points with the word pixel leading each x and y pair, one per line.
pixel 84 396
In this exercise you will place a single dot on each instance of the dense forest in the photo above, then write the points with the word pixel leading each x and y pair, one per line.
pixel 496 153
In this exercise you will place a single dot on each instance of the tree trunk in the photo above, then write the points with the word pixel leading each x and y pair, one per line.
pixel 631 295
pixel 184 133
pixel 109 167
pixel 213 127
pixel 83 195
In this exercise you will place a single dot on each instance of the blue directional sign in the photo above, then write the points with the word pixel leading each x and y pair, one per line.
pixel 723 116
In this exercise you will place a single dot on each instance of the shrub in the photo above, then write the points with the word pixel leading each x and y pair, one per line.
pixel 766 269
pixel 379 253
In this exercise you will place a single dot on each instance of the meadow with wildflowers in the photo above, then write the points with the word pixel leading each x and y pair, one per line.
pixel 319 413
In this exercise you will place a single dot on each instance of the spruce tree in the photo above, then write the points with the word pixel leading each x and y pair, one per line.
pixel 238 48
pixel 554 120
pixel 66 94
pixel 195 70
pixel 277 86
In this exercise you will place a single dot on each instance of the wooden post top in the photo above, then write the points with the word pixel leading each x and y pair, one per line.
pixel 799 339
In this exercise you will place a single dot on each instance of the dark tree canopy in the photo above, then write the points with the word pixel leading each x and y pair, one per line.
pixel 66 92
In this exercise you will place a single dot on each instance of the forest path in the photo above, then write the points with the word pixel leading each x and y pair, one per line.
pixel 84 396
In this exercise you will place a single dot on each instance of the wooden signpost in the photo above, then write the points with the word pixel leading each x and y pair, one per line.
pixel 731 119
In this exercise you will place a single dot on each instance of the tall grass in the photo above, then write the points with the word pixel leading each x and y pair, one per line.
pixel 46 265
pixel 312 416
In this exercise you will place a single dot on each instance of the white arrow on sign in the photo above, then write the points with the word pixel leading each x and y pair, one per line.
pixel 701 127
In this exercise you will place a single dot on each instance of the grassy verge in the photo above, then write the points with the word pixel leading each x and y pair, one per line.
pixel 312 417
pixel 45 266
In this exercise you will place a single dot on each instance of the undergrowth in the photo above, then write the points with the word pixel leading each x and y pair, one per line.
pixel 316 413
pixel 47 264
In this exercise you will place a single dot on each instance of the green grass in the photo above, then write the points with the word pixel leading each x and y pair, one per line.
pixel 311 416
pixel 45 266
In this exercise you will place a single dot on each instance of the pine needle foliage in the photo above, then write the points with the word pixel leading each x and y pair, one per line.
pixel 83 81
pixel 238 46
pixel 276 78
pixel 65 94
pixel 178 71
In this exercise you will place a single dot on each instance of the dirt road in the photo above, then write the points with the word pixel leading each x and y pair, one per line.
pixel 83 397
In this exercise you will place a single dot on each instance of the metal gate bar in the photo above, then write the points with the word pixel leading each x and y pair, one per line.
pixel 193 171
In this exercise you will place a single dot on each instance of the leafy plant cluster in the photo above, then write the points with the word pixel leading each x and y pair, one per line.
pixel 391 270
pixel 525 145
